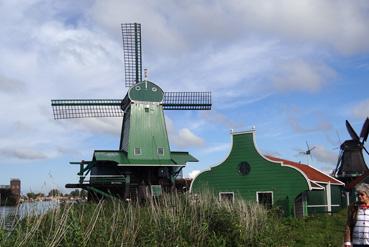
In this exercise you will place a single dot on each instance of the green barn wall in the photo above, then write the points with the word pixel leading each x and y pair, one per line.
pixel 285 182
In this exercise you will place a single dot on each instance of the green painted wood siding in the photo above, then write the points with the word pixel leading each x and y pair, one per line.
pixel 285 182
pixel 148 132
pixel 338 197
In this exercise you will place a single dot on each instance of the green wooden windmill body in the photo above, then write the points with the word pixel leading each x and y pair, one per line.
pixel 144 157
pixel 147 137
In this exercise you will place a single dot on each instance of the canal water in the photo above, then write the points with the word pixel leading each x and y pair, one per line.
pixel 10 215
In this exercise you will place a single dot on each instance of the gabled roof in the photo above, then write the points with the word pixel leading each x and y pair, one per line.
pixel 311 173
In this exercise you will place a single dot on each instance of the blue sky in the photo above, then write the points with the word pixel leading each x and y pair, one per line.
pixel 296 70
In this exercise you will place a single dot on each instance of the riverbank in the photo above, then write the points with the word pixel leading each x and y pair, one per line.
pixel 174 221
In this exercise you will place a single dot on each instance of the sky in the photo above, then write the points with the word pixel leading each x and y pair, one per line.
pixel 292 70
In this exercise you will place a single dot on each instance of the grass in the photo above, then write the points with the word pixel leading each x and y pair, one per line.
pixel 319 230
pixel 175 220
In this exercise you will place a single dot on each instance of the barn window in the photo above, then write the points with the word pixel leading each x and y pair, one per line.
pixel 156 190
pixel 265 198
pixel 160 151
pixel 226 196
pixel 137 151
pixel 147 108
pixel 244 168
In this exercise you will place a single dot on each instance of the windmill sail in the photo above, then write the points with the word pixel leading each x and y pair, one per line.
pixel 187 101
pixel 86 108
pixel 131 34
pixel 351 131
pixel 365 131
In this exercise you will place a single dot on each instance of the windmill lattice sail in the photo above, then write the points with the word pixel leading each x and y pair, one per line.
pixel 86 108
pixel 187 101
pixel 131 34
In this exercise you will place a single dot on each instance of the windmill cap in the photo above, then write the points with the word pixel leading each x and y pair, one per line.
pixel 146 91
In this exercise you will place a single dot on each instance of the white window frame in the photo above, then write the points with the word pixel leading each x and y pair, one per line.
pixel 137 153
pixel 225 193
pixel 259 192
pixel 157 151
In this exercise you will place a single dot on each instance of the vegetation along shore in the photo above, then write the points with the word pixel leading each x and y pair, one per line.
pixel 174 220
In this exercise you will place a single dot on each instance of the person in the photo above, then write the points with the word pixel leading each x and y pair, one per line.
pixel 357 225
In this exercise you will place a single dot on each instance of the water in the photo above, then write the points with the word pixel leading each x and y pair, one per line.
pixel 10 215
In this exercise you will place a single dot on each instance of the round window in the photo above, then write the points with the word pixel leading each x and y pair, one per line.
pixel 244 168
pixel 154 89
pixel 138 88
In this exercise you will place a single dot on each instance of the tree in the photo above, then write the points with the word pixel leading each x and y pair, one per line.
pixel 31 195
pixel 55 192
pixel 40 195
pixel 75 193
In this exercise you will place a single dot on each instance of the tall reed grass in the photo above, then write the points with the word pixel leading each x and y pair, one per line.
pixel 172 220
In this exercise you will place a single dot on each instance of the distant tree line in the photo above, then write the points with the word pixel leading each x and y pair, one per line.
pixel 56 192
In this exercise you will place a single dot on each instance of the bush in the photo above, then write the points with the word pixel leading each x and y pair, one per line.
pixel 174 220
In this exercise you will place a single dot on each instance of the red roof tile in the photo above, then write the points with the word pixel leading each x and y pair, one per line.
pixel 310 172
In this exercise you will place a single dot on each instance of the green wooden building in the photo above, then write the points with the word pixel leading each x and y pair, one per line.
pixel 295 188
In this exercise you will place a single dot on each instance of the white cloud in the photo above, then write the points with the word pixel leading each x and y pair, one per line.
pixel 217 148
pixel 22 153
pixel 186 138
pixel 194 173
pixel 338 24
pixel 182 138
pixel 317 121
pixel 8 85
pixel 301 76
pixel 361 109
pixel 321 154
pixel 216 117
pixel 110 126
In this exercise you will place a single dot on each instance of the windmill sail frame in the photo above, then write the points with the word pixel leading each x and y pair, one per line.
pixel 86 108
pixel 131 35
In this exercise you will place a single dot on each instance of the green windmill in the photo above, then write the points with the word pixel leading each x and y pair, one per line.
pixel 144 163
